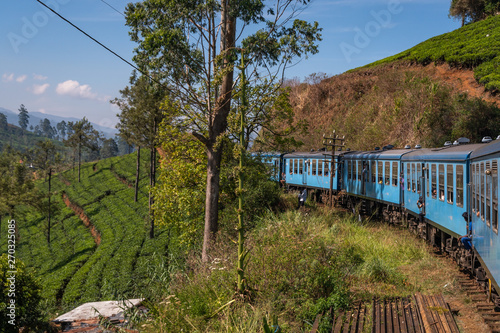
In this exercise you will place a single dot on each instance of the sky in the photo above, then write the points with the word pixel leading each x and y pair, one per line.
pixel 51 67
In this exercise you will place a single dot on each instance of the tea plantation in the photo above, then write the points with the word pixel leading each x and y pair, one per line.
pixel 77 266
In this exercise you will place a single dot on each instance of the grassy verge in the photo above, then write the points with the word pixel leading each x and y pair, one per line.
pixel 301 264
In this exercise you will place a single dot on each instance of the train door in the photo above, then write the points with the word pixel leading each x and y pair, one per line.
pixel 305 165
pixel 421 174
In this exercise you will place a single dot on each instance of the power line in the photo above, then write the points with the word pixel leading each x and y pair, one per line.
pixel 95 40
pixel 116 10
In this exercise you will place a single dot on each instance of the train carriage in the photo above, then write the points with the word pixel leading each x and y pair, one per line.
pixel 438 177
pixel 315 170
pixel 484 207
pixel 374 175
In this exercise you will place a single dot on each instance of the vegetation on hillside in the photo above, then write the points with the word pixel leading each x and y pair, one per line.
pixel 475 46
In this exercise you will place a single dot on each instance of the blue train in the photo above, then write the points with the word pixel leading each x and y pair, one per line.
pixel 448 195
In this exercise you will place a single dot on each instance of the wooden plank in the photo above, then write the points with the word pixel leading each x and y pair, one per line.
pixel 377 317
pixel 450 319
pixel 347 321
pixel 401 316
pixel 338 323
pixel 410 326
pixel 387 317
pixel 362 316
pixel 438 314
pixel 422 312
pixel 395 316
pixel 316 323
pixel 355 319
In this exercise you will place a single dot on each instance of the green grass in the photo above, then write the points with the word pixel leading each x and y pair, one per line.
pixel 476 46
pixel 300 264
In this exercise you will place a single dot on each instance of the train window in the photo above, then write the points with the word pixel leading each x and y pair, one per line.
pixel 487 212
pixel 494 197
pixel 419 176
pixel 327 167
pixel 359 170
pixel 481 194
pixel 408 176
pixel 449 183
pixel 387 173
pixel 473 188
pixel 373 171
pixel 301 166
pixel 441 182
pixel 413 177
pixel 314 167
pixel 460 185
pixel 394 174
pixel 433 181
pixel 348 169
pixel 380 173
pixel 427 179
pixel 320 167
pixel 295 166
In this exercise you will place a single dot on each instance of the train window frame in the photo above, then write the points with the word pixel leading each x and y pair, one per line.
pixel 434 181
pixel 449 183
pixel 314 167
pixel 427 187
pixel 387 173
pixel 419 182
pixel 373 171
pixel 494 197
pixel 359 169
pixel 348 170
pixel 481 188
pixel 441 184
pixel 321 165
pixel 487 212
pixel 301 166
pixel 326 171
pixel 380 172
pixel 408 177
pixel 459 187
pixel 395 173
pixel 413 176
pixel 473 187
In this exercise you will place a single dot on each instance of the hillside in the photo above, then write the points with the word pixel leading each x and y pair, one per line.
pixel 108 257
pixel 441 89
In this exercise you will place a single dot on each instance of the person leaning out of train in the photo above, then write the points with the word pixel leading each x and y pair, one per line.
pixel 420 205
pixel 302 198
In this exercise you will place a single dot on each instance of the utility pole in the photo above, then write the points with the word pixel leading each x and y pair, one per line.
pixel 336 143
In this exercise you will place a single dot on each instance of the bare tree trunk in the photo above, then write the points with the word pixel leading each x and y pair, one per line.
pixel 218 125
pixel 137 170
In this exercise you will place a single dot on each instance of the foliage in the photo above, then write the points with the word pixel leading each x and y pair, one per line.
pixel 191 50
pixel 473 10
pixel 19 296
pixel 474 46
pixel 23 117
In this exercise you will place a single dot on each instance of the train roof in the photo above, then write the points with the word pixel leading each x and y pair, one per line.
pixel 486 149
pixel 454 153
pixel 390 154
pixel 312 154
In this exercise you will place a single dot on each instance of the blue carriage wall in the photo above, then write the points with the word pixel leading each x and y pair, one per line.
pixel 374 175
pixel 440 177
pixel 484 205
pixel 311 170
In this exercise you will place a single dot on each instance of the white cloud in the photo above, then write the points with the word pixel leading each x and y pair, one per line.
pixel 8 77
pixel 74 89
pixel 39 89
pixel 39 77
pixel 21 78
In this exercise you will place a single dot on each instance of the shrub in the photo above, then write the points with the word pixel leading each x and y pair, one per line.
pixel 19 297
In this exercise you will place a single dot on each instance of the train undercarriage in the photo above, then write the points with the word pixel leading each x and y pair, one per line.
pixel 468 260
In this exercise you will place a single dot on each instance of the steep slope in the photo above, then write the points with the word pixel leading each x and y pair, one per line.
pixel 100 247
pixel 441 89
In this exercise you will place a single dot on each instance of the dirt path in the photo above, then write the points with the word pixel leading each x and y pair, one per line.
pixel 85 219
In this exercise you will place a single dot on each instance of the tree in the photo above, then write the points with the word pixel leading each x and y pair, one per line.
pixel 46 129
pixel 192 49
pixel 3 122
pixel 473 10
pixel 142 112
pixel 109 148
pixel 61 127
pixel 83 135
pixel 23 117
pixel 45 159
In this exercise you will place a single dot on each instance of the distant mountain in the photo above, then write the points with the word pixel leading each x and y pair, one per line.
pixel 36 117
